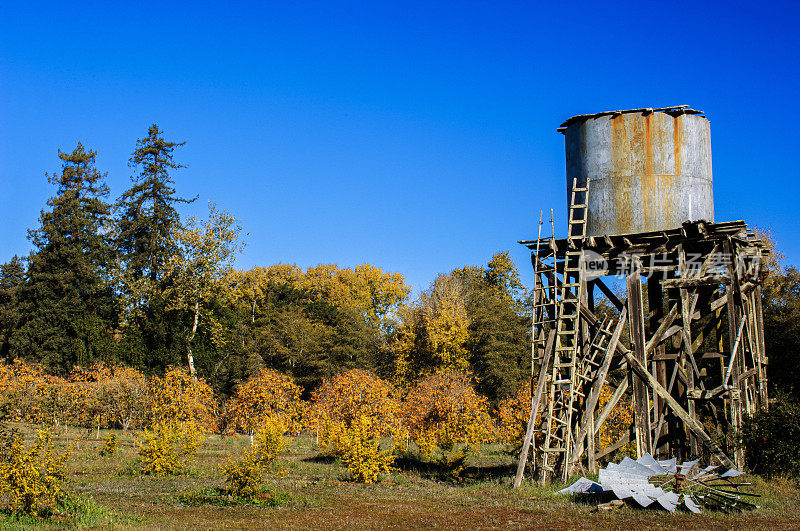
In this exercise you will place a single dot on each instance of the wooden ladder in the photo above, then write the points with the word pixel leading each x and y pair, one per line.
pixel 544 306
pixel 558 437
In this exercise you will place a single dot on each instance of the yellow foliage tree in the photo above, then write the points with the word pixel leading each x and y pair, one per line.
pixel 433 333
pixel 513 414
pixel 177 397
pixel 443 410
pixel 348 396
pixel 267 395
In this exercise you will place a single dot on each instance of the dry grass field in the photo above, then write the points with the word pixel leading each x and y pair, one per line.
pixel 312 491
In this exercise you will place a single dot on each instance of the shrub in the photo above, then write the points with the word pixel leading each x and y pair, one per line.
pixel 268 395
pixel 359 448
pixel 348 396
pixel 245 477
pixel 443 410
pixel 110 446
pixel 269 441
pixel 164 449
pixel 770 437
pixel 33 478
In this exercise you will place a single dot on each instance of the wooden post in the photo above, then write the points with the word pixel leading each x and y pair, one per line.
pixel 655 303
pixel 733 320
pixel 641 405
pixel 764 395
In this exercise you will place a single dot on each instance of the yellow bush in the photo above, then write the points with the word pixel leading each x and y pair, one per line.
pixel 269 441
pixel 164 449
pixel 110 446
pixel 177 397
pixel 33 478
pixel 358 446
pixel 245 477
pixel 269 394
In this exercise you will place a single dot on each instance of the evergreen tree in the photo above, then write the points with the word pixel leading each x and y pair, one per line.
pixel 499 340
pixel 12 275
pixel 146 223
pixel 147 215
pixel 66 303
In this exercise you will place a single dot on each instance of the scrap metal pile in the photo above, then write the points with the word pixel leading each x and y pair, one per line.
pixel 647 482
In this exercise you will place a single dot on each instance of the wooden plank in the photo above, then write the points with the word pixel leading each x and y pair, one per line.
pixel 536 399
pixel 717 392
pixel 660 332
pixel 622 441
pixel 762 375
pixel 692 283
pixel 641 408
pixel 609 407
pixel 733 318
pixel 681 413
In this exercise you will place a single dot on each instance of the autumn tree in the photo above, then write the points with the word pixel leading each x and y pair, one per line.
pixel 316 322
pixel 433 332
pixel 200 269
pixel 444 411
pixel 348 396
pixel 267 395
pixel 66 304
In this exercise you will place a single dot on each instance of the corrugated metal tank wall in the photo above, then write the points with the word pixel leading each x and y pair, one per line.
pixel 649 170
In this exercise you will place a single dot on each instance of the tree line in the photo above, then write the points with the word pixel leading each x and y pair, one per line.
pixel 129 281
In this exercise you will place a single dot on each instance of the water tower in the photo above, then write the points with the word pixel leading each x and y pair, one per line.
pixel 679 336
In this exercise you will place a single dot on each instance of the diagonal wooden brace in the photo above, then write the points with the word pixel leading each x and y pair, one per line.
pixel 676 408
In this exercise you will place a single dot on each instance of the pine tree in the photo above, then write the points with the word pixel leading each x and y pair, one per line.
pixel 12 276
pixel 147 215
pixel 66 303
pixel 145 226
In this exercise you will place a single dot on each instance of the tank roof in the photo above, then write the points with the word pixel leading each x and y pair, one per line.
pixel 675 110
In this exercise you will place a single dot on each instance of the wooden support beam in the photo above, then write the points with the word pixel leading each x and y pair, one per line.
pixel 762 374
pixel 681 413
pixel 641 407
pixel 717 392
pixel 608 293
pixel 734 300
pixel 660 332
pixel 609 407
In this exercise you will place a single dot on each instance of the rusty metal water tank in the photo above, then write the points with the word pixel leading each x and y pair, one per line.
pixel 650 169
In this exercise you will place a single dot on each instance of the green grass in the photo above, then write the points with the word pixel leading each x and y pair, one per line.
pixel 306 489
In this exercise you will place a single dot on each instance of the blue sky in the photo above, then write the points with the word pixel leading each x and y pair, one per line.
pixel 418 137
